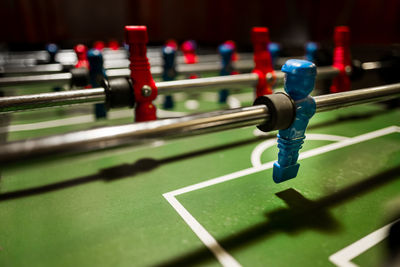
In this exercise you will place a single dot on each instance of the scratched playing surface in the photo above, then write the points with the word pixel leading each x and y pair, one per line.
pixel 134 206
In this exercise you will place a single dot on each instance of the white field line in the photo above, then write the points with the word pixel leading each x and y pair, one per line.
pixel 343 257
pixel 219 252
pixel 222 256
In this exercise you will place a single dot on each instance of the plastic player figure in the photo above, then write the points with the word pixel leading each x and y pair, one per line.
pixel 52 49
pixel 99 45
pixel 341 60
pixel 226 51
pixel 81 54
pixel 300 78
pixel 311 51
pixel 169 71
pixel 189 54
pixel 262 61
pixel 97 74
pixel 144 87
pixel 235 55
pixel 275 50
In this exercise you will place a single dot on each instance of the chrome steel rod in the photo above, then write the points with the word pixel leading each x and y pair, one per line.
pixel 136 133
pixel 356 97
pixel 65 98
pixel 244 65
pixel 218 82
pixel 45 78
pixel 114 136
pixel 97 95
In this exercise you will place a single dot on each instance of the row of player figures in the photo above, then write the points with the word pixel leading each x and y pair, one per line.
pixel 287 113
pixel 262 59
pixel 263 62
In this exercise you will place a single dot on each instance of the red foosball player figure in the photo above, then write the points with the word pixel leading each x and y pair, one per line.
pixel 144 87
pixel 113 45
pixel 341 60
pixel 81 54
pixel 99 45
pixel 189 53
pixel 263 62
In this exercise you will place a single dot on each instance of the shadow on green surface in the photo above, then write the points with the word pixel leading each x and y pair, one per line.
pixel 301 214
pixel 148 164
pixel 123 171
pixel 351 117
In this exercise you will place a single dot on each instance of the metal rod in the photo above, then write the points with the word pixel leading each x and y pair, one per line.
pixel 97 95
pixel 356 97
pixel 243 65
pixel 65 98
pixel 45 78
pixel 115 61
pixel 114 136
pixel 137 133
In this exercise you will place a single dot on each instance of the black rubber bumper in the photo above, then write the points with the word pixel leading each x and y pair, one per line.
pixel 282 111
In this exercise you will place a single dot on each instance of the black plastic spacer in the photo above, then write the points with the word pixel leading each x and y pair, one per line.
pixel 80 77
pixel 282 111
pixel 119 93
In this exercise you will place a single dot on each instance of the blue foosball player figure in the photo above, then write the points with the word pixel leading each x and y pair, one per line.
pixel 300 78
pixel 96 75
pixel 169 70
pixel 226 51
pixel 311 51
pixel 275 50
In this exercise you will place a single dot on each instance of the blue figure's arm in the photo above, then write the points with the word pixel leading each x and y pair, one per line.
pixel 300 77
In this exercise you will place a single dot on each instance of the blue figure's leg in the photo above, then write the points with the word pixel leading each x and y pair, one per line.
pixel 287 167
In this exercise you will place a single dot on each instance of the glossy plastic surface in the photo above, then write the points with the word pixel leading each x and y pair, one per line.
pixel 311 51
pixel 96 75
pixel 189 51
pixel 169 70
pixel 52 49
pixel 341 60
pixel 99 45
pixel 300 78
pixel 275 50
pixel 226 51
pixel 262 61
pixel 81 54
pixel 144 87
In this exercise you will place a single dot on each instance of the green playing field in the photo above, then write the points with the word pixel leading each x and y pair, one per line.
pixel 206 200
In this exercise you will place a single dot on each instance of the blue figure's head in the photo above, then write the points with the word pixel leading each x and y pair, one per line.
pixel 311 50
pixel 169 53
pixel 95 59
pixel 226 51
pixel 274 49
pixel 299 78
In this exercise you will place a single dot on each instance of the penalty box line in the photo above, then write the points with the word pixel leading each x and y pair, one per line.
pixel 208 240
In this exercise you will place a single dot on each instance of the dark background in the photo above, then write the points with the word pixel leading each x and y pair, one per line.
pixel 32 23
